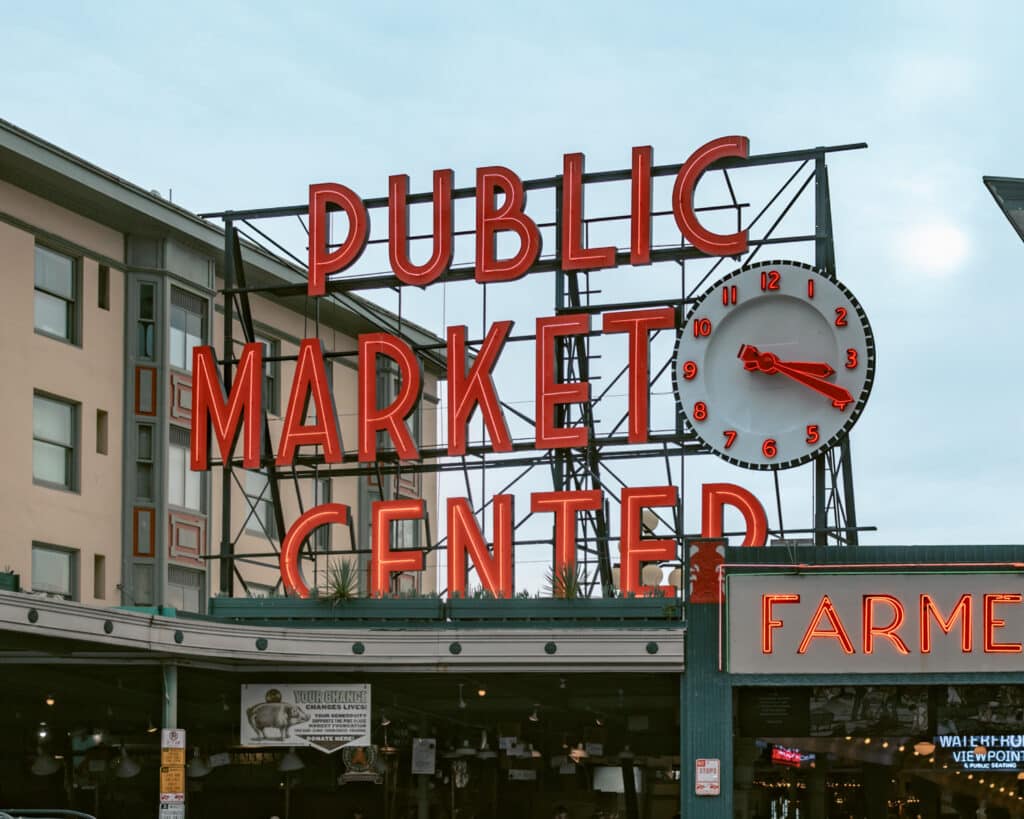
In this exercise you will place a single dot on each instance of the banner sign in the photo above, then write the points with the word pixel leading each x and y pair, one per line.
pixel 822 623
pixel 327 717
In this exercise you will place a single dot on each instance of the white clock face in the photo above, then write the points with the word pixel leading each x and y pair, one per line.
pixel 773 365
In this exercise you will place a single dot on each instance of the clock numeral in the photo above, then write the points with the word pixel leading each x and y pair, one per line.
pixel 700 411
pixel 768 448
pixel 730 294
pixel 851 359
pixel 840 317
pixel 701 327
pixel 812 434
pixel 810 288
pixel 689 370
pixel 730 437
pixel 770 280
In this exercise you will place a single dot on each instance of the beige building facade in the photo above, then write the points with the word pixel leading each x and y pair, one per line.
pixel 107 288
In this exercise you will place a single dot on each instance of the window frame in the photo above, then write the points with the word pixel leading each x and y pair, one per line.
pixel 187 473
pixel 74 304
pixel 322 494
pixel 74 570
pixel 74 454
pixel 262 498
pixel 271 377
pixel 186 365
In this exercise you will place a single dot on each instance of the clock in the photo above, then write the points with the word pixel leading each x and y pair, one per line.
pixel 773 365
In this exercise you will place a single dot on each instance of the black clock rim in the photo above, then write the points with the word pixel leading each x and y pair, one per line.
pixel 843 432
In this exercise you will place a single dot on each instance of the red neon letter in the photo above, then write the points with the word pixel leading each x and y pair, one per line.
pixel 768 621
pixel 714 244
pixel 508 216
pixel 384 561
pixel 889 631
pixel 550 393
pixel 633 549
pixel 640 210
pixel 565 505
pixel 962 609
pixel 836 632
pixel 310 383
pixel 291 573
pixel 398 235
pixel 390 419
pixel 467 390
pixel 243 406
pixel 322 261
pixel 991 623
pixel 714 497
pixel 638 323
pixel 495 570
pixel 574 255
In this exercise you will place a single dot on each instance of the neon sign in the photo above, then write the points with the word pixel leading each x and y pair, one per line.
pixel 230 416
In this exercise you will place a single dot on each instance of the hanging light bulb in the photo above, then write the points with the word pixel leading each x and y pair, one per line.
pixel 126 766
pixel 534 717
pixel 51 700
pixel 384 721
pixel 924 748
pixel 291 761
pixel 197 767
pixel 45 764
pixel 980 750
pixel 462 702
pixel 151 728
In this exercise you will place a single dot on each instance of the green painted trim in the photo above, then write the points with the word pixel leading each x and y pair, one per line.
pixel 307 610
pixel 647 609
pixel 9 581
pixel 461 613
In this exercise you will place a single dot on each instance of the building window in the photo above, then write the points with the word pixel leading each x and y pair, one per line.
pixel 389 383
pixel 101 432
pixel 406 534
pixel 54 438
pixel 188 327
pixel 260 519
pixel 55 296
pixel 144 463
pixel 146 328
pixel 99 577
pixel 184 486
pixel 103 287
pixel 271 371
pixel 259 590
pixel 54 571
pixel 322 536
pixel 185 589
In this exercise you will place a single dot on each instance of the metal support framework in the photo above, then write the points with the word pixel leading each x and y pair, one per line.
pixel 834 520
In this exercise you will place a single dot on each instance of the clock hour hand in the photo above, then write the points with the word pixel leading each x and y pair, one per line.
pixel 803 372
pixel 752 356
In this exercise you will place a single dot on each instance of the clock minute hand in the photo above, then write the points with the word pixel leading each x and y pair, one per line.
pixel 802 372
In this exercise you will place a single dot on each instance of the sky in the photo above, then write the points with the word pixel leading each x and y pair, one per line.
pixel 234 105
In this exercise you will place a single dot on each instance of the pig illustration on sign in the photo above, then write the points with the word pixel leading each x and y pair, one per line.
pixel 275 714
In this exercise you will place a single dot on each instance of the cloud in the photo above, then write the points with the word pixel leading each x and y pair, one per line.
pixel 935 249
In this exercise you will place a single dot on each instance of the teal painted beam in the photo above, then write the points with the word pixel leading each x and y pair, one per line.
pixel 705 715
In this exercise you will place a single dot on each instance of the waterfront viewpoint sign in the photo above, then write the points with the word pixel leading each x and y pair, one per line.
pixel 501 211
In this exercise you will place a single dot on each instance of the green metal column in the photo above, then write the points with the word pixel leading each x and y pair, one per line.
pixel 170 692
pixel 705 715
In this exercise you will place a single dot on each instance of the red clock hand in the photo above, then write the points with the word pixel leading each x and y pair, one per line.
pixel 810 374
